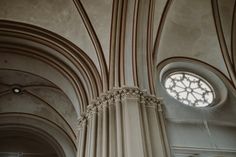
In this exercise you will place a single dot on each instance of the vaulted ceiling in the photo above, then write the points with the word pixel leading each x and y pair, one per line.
pixel 71 51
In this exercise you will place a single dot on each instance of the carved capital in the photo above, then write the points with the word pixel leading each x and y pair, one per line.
pixel 117 94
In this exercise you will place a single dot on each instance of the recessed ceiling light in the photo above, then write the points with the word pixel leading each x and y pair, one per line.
pixel 16 90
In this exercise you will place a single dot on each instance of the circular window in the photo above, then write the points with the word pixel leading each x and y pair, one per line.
pixel 190 89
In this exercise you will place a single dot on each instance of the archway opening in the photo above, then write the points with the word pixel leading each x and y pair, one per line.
pixel 21 143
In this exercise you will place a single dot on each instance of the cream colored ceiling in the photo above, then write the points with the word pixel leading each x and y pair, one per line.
pixel 189 31
pixel 59 16
pixel 181 28
pixel 39 98
pixel 123 43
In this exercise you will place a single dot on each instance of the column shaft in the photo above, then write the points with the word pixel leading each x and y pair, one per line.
pixel 125 122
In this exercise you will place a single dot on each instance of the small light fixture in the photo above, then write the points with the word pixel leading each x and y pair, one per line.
pixel 16 90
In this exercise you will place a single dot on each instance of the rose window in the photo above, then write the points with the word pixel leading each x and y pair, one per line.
pixel 190 89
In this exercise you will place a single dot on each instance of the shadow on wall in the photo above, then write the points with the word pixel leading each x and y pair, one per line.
pixel 15 143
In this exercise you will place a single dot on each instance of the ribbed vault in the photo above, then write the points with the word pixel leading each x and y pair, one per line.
pixel 75 51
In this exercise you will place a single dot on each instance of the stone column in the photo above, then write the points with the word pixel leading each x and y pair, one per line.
pixel 124 122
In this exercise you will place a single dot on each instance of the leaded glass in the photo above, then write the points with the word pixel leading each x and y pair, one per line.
pixel 189 89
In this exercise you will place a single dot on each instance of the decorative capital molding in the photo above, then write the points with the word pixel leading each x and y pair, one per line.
pixel 82 121
pixel 152 101
pixel 117 94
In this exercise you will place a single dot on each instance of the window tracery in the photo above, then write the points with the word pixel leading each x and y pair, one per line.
pixel 190 89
